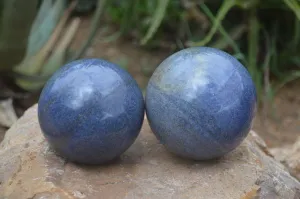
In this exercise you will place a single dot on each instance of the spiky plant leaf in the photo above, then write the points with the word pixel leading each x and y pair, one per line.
pixel 15 23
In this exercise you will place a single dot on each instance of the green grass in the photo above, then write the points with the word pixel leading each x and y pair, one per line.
pixel 263 35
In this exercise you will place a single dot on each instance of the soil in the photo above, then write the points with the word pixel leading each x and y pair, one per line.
pixel 282 125
pixel 279 127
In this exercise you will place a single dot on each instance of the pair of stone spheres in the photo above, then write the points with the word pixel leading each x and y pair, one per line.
pixel 200 103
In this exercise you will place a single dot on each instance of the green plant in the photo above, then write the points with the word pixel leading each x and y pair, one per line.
pixel 263 35
pixel 45 32
pixel 48 37
pixel 15 23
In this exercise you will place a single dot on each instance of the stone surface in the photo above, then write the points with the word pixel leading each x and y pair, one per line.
pixel 29 169
pixel 2 133
pixel 205 93
pixel 91 111
pixel 289 156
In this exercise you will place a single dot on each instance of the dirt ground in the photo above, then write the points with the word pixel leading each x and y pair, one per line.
pixel 279 128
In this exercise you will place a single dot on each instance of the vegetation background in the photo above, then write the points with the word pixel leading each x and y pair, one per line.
pixel 37 37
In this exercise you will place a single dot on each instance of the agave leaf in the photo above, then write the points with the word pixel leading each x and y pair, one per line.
pixel 57 58
pixel 43 12
pixel 44 25
pixel 156 21
pixel 60 52
pixel 32 65
pixel 16 17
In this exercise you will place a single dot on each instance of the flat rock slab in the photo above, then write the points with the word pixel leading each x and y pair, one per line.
pixel 289 156
pixel 30 169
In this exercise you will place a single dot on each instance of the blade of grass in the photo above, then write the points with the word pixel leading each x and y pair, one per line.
pixel 93 29
pixel 253 39
pixel 127 15
pixel 294 6
pixel 228 39
pixel 179 43
pixel 291 76
pixel 296 37
pixel 276 52
pixel 112 37
pixel 272 55
pixel 224 9
pixel 266 71
pixel 156 20
pixel 187 26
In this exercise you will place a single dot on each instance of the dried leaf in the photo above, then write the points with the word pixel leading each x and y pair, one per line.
pixel 7 113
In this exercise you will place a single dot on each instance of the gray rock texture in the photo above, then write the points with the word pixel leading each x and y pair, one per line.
pixel 290 157
pixel 29 169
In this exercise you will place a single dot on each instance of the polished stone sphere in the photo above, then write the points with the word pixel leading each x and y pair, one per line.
pixel 200 103
pixel 91 111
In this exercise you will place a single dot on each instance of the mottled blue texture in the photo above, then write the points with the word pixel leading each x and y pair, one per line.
pixel 200 103
pixel 91 111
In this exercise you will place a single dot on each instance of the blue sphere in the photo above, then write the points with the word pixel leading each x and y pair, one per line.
pixel 200 103
pixel 91 111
